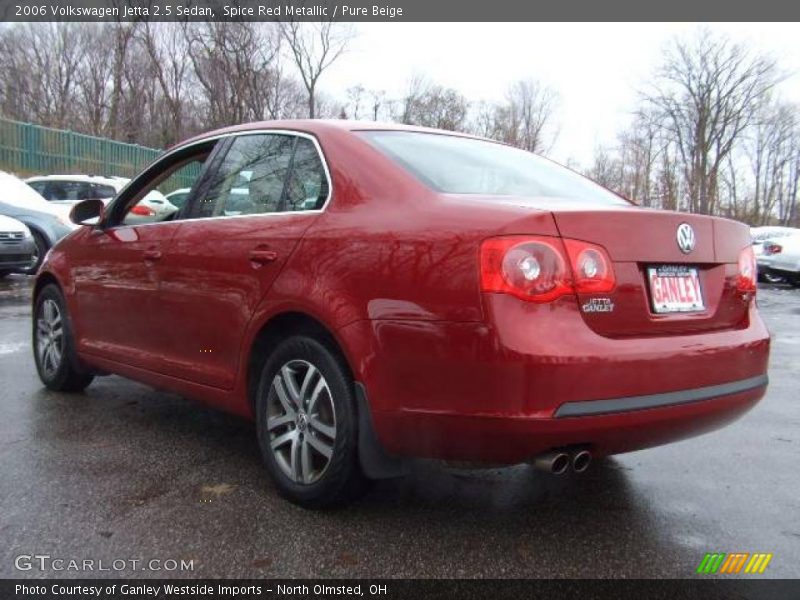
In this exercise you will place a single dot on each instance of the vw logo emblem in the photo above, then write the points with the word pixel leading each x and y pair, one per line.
pixel 301 422
pixel 685 238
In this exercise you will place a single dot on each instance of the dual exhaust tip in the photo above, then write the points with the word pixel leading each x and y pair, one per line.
pixel 558 461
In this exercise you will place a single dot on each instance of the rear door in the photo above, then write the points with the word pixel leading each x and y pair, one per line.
pixel 268 190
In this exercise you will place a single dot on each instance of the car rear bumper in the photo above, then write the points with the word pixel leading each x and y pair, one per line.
pixel 516 439
pixel 541 379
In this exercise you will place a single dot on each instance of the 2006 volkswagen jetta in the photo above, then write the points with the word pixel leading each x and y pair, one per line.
pixel 370 293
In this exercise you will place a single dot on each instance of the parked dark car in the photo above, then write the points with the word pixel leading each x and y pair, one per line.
pixel 16 246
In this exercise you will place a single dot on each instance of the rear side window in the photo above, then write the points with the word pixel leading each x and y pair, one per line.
pixel 60 190
pixel 250 178
pixel 458 165
pixel 39 186
pixel 266 173
pixel 307 185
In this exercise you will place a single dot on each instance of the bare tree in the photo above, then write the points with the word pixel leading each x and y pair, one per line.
pixel 40 63
pixel 237 66
pixel 772 152
pixel 314 47
pixel 704 95
pixel 527 113
pixel 355 96
pixel 169 62
pixel 607 169
pixel 377 103
pixel 430 105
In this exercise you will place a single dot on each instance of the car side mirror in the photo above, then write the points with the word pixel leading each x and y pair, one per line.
pixel 87 212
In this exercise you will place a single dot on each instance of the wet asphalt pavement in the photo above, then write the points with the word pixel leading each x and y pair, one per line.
pixel 125 472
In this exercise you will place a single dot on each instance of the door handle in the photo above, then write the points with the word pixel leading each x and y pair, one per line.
pixel 152 254
pixel 263 257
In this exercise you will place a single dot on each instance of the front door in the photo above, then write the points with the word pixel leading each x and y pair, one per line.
pixel 116 280
pixel 117 268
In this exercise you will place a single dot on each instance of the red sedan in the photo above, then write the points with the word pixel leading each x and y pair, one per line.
pixel 368 294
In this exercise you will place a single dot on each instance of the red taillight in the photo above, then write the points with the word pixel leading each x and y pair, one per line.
pixel 142 211
pixel 746 277
pixel 591 267
pixel 541 269
pixel 529 268
pixel 772 248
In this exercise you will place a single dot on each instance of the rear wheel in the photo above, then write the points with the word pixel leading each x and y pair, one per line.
pixel 306 423
pixel 53 344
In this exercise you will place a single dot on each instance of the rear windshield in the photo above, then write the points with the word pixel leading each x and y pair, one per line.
pixel 457 165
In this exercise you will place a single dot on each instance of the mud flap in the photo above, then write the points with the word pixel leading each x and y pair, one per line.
pixel 375 462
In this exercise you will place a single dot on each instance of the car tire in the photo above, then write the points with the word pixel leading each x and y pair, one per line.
pixel 42 246
pixel 54 346
pixel 307 424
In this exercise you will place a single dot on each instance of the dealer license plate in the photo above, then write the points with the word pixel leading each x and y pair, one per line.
pixel 675 289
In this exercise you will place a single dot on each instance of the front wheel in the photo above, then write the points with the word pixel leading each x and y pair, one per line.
pixel 54 346
pixel 306 423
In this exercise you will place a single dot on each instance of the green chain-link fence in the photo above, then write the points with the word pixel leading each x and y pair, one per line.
pixel 27 149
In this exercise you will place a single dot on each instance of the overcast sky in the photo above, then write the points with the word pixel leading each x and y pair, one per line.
pixel 596 67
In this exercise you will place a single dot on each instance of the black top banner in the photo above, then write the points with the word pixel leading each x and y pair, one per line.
pixel 398 10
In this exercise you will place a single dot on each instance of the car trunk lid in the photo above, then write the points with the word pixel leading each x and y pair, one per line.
pixel 640 240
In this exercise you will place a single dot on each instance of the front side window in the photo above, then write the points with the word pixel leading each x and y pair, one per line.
pixel 459 165
pixel 144 199
pixel 39 186
pixel 153 206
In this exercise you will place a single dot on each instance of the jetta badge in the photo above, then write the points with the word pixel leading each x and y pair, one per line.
pixel 685 238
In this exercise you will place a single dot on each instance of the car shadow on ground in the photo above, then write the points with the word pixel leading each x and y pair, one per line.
pixel 144 452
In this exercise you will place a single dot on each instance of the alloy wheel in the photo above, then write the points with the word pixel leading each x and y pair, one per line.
pixel 49 337
pixel 301 421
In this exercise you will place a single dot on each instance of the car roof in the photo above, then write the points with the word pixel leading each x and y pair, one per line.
pixel 321 126
pixel 112 181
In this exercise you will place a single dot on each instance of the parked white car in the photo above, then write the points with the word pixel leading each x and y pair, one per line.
pixel 178 197
pixel 784 255
pixel 71 189
pixel 762 238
